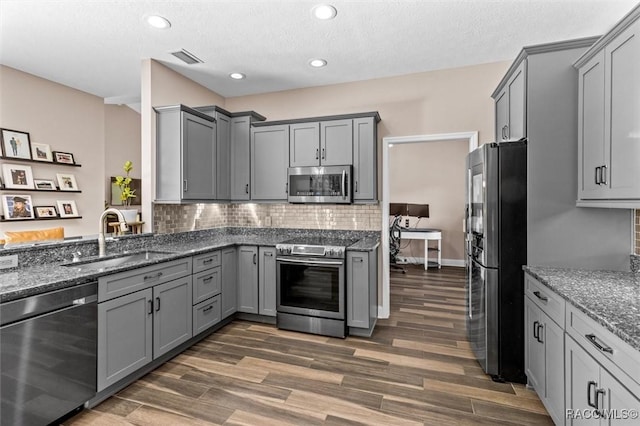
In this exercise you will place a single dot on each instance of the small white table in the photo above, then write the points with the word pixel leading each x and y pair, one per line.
pixel 426 234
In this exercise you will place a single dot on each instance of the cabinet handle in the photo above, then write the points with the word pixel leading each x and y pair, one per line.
pixel 157 304
pixel 541 297
pixel 592 339
pixel 604 175
pixel 356 187
pixel 208 279
pixel 590 403
pixel 286 188
pixel 539 338
pixel 255 259
pixel 535 330
pixel 206 261
pixel 207 309
pixel 323 156
pixel 268 253
pixel 597 179
pixel 506 128
pixel 150 311
pixel 246 189
pixel 358 259
pixel 153 277
pixel 317 151
pixel 185 185
pixel 598 393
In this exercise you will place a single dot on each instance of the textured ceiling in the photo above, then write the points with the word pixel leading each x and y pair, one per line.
pixel 97 46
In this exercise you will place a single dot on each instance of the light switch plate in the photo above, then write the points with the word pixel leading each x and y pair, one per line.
pixel 7 262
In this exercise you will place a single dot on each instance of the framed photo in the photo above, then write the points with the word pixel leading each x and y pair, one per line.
pixel 17 207
pixel 15 144
pixel 67 208
pixel 41 152
pixel 44 184
pixel 17 176
pixel 67 182
pixel 45 212
pixel 63 157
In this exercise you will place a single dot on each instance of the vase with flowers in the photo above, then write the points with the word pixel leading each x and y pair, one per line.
pixel 127 193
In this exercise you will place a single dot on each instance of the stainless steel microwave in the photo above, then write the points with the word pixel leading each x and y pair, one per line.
pixel 320 184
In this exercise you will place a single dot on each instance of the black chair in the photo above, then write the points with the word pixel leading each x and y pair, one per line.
pixel 394 245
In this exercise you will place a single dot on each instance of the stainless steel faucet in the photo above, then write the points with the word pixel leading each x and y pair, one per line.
pixel 123 227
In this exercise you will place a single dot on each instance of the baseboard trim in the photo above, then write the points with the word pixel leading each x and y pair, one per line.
pixel 420 260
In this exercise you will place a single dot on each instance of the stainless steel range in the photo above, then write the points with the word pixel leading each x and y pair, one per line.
pixel 311 285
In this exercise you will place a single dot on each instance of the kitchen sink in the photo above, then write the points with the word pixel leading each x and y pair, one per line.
pixel 102 263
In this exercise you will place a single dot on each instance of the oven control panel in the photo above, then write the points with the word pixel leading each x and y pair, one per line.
pixel 310 250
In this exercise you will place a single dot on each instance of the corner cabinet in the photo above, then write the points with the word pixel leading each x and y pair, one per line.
pixel 510 105
pixel 189 135
pixel 362 292
pixel 608 124
pixel 269 163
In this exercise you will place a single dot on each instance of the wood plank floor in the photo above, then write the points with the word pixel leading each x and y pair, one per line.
pixel 416 369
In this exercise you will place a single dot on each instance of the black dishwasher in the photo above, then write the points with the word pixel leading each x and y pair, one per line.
pixel 48 346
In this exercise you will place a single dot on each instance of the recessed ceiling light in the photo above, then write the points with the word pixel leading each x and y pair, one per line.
pixel 237 75
pixel 324 11
pixel 318 63
pixel 158 22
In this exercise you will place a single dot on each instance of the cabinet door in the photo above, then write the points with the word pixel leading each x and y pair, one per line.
pixel 365 159
pixel 582 376
pixel 223 157
pixel 248 279
pixel 198 158
pixel 358 289
pixel 172 316
pixel 269 162
pixel 336 143
pixel 229 281
pixel 502 115
pixel 591 127
pixel 240 154
pixel 304 144
pixel 617 399
pixel 267 281
pixel 553 341
pixel 534 348
pixel 125 336
pixel 622 114
pixel 517 104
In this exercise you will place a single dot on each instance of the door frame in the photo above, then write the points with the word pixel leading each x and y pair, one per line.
pixel 472 137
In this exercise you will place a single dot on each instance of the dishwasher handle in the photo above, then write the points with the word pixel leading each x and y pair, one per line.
pixel 39 304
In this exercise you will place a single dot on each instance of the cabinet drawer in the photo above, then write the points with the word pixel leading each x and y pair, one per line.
pixel 603 345
pixel 206 314
pixel 206 261
pixel 127 282
pixel 206 284
pixel 546 299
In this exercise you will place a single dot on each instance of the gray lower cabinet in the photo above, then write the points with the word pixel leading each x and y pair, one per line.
pixel 172 316
pixel 365 159
pixel 229 271
pixel 362 291
pixel 185 155
pixel 248 279
pixel 207 284
pixel 125 336
pixel 269 162
pixel 267 281
pixel 240 158
pixel 206 314
pixel 223 156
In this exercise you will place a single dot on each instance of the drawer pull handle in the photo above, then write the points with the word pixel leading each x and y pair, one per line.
pixel 592 339
pixel 153 277
pixel 206 261
pixel 541 297
pixel 208 308
pixel 590 403
pixel 208 279
pixel 268 253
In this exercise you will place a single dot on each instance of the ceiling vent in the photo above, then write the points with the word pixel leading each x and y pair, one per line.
pixel 187 57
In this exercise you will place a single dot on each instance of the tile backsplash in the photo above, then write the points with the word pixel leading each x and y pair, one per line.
pixel 171 218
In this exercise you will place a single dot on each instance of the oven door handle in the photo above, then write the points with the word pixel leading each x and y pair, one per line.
pixel 309 261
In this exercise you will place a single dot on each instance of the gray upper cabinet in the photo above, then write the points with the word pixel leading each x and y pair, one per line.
pixel 248 279
pixel 365 159
pixel 267 281
pixel 269 162
pixel 229 270
pixel 336 142
pixel 510 106
pixel 609 107
pixel 223 156
pixel 172 316
pixel 184 133
pixel 304 144
pixel 240 158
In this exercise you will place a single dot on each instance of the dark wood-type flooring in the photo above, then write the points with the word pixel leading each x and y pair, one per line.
pixel 416 369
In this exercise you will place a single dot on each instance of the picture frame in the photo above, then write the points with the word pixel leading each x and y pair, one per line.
pixel 41 152
pixel 17 207
pixel 17 176
pixel 45 212
pixel 67 208
pixel 15 144
pixel 44 185
pixel 63 157
pixel 67 182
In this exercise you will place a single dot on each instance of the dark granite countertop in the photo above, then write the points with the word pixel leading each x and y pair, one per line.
pixel 609 297
pixel 37 276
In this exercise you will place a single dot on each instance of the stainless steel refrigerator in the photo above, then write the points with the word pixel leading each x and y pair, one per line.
pixel 496 246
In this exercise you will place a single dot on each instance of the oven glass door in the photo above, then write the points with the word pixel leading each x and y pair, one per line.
pixel 313 287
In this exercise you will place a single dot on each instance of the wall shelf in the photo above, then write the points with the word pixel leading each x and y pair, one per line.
pixel 24 160
pixel 40 218
pixel 38 190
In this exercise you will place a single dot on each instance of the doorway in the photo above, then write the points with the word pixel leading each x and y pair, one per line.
pixel 389 143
